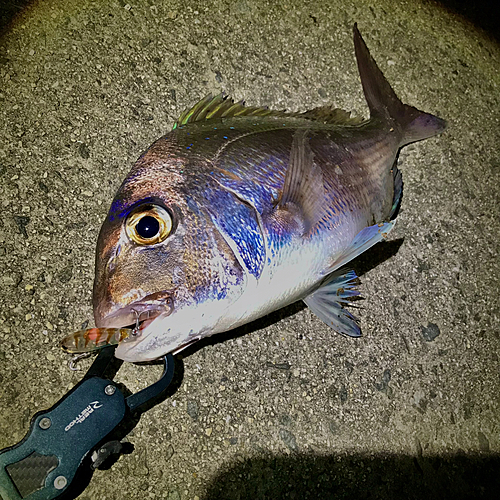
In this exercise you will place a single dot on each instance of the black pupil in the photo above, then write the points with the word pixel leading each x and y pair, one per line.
pixel 148 227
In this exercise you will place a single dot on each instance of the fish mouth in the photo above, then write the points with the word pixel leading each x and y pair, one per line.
pixel 139 314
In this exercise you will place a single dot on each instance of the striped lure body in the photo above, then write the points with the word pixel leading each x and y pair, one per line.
pixel 93 339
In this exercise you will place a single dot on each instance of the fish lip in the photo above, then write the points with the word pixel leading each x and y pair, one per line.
pixel 156 304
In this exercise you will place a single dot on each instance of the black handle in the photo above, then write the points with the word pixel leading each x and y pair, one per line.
pixel 44 463
pixel 135 401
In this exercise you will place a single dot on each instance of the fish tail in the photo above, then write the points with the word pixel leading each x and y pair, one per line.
pixel 414 125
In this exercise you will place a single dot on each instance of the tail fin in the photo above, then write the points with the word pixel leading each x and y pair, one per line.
pixel 382 101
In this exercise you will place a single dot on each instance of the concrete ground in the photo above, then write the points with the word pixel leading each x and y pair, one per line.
pixel 284 408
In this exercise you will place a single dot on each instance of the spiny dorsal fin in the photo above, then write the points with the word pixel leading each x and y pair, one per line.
pixel 222 106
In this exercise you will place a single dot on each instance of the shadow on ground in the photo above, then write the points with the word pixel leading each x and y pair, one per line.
pixel 9 10
pixel 483 13
pixel 460 476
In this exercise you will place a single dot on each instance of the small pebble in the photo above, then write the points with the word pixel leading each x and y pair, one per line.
pixel 430 332
pixel 289 439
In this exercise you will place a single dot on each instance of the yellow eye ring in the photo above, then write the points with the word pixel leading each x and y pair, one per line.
pixel 148 225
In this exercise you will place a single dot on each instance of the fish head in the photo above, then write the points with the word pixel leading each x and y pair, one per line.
pixel 161 263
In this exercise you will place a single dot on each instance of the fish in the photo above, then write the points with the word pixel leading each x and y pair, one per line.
pixel 239 211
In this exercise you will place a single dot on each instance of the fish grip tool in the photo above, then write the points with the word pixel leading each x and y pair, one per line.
pixel 79 426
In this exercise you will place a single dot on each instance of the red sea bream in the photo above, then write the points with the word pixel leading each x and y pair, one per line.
pixel 239 211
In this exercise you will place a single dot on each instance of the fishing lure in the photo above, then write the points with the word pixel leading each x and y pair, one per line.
pixel 93 339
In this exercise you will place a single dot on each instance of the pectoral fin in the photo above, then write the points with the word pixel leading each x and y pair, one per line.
pixel 303 187
pixel 327 303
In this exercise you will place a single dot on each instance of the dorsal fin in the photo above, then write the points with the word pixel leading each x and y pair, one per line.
pixel 222 106
pixel 328 114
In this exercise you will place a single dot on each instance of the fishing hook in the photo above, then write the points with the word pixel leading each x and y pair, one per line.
pixel 76 358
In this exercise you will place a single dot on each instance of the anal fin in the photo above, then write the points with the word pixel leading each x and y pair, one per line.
pixel 364 240
pixel 328 300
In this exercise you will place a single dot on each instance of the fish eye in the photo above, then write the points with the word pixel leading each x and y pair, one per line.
pixel 148 225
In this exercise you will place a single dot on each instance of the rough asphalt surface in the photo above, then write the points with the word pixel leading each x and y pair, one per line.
pixel 284 408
